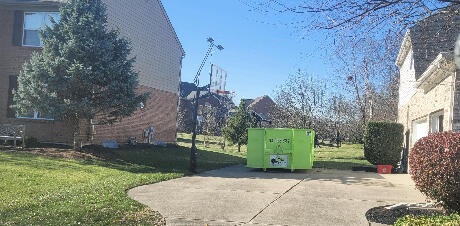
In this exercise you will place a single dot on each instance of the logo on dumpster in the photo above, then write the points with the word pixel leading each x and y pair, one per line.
pixel 278 160
pixel 278 140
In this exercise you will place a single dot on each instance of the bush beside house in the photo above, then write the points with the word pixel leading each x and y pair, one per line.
pixel 383 143
pixel 435 168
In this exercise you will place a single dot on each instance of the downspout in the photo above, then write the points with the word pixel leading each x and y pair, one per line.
pixel 452 94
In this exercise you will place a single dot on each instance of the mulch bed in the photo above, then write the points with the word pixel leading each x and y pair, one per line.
pixel 86 153
pixel 383 216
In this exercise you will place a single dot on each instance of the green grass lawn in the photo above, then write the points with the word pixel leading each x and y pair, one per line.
pixel 37 190
pixel 345 157
pixel 326 156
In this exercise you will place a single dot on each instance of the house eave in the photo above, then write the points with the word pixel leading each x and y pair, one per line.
pixel 404 49
pixel 437 71
pixel 32 3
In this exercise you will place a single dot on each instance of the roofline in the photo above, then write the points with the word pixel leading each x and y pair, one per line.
pixel 442 61
pixel 171 26
pixel 406 46
pixel 31 3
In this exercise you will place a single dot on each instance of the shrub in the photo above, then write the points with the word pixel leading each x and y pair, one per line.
pixel 451 220
pixel 31 142
pixel 435 167
pixel 383 143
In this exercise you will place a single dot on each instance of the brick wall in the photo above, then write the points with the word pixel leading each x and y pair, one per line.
pixel 11 60
pixel 155 44
pixel 159 112
pixel 158 60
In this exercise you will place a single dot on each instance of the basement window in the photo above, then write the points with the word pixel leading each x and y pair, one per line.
pixel 33 22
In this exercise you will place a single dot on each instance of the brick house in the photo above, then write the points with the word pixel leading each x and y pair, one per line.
pixel 155 45
pixel 429 89
pixel 261 108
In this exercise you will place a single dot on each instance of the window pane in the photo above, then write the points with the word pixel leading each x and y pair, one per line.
pixel 33 21
pixel 44 116
pixel 31 38
pixel 441 126
pixel 27 115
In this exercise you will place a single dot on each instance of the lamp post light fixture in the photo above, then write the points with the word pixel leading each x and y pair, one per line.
pixel 193 150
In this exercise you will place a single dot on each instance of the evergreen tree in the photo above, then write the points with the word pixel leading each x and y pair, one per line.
pixel 236 130
pixel 84 70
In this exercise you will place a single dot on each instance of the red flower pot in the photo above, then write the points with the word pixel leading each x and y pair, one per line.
pixel 384 169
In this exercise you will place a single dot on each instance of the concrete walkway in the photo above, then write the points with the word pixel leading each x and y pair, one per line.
pixel 240 196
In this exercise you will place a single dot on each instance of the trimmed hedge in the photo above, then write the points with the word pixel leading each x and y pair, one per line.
pixel 435 168
pixel 31 142
pixel 451 220
pixel 383 143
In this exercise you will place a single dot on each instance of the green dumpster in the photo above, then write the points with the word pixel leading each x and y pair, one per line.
pixel 280 148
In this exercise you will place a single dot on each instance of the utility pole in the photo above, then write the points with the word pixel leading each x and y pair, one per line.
pixel 193 151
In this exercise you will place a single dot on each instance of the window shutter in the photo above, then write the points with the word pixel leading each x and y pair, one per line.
pixel 13 84
pixel 18 27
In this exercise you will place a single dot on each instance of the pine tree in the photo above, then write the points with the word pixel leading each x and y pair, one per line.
pixel 236 130
pixel 84 71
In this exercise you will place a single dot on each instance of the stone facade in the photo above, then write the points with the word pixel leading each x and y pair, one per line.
pixel 422 105
pixel 429 90
pixel 158 55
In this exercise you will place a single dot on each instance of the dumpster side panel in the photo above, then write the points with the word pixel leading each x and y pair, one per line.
pixel 303 149
pixel 255 153
pixel 278 148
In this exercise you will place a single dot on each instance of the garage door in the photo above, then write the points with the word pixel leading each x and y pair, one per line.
pixel 420 129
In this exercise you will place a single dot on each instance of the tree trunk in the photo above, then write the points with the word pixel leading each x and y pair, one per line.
pixel 239 147
pixel 76 129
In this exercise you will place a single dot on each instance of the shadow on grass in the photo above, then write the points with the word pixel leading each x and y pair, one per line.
pixel 189 141
pixel 170 159
pixel 139 159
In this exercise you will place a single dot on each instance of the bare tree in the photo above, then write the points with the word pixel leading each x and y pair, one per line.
pixel 353 18
pixel 299 101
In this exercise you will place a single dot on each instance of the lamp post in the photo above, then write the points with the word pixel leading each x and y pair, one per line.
pixel 193 151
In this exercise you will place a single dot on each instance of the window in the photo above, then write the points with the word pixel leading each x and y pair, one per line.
pixel 436 121
pixel 13 84
pixel 36 115
pixel 33 22
pixel 419 130
pixel 411 60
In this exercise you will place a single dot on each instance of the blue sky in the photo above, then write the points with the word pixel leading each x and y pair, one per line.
pixel 259 53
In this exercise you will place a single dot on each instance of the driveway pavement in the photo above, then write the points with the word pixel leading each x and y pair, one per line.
pixel 240 196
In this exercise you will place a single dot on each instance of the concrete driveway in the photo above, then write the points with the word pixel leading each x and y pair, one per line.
pixel 240 196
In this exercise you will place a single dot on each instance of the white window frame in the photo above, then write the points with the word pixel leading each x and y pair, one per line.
pixel 415 131
pixel 23 29
pixel 35 117
pixel 434 120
